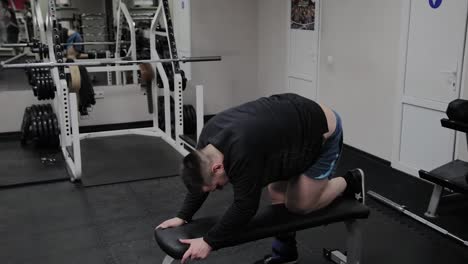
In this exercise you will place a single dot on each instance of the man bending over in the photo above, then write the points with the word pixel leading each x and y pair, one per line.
pixel 286 142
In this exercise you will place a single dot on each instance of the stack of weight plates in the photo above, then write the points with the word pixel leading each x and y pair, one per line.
pixel 40 127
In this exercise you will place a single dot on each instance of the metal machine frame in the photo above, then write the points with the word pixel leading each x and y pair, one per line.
pixel 69 116
pixel 122 12
pixel 65 102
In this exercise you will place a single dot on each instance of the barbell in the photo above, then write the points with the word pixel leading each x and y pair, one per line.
pixel 104 62
pixel 32 44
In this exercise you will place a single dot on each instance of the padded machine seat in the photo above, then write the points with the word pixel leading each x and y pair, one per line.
pixel 455 125
pixel 268 222
pixel 453 175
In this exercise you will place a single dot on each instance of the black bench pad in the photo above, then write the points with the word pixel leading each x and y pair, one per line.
pixel 452 124
pixel 268 222
pixel 452 175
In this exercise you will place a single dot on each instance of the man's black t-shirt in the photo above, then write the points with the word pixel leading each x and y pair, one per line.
pixel 263 141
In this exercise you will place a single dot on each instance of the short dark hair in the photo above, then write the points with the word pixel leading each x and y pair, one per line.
pixel 191 172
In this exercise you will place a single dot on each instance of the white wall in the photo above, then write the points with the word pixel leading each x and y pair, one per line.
pixel 272 46
pixel 363 37
pixel 119 105
pixel 12 105
pixel 229 29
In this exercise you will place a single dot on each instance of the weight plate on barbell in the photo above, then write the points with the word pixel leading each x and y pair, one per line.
pixel 50 125
pixel 35 90
pixel 51 131
pixel 34 111
pixel 49 109
pixel 40 132
pixel 25 125
pixel 46 88
pixel 40 90
pixel 184 114
pixel 43 109
pixel 45 128
pixel 194 119
pixel 55 124
pixel 49 89
pixel 52 89
pixel 33 128
pixel 39 110
pixel 187 119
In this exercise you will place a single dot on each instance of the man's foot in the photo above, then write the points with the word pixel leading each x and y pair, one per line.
pixel 277 259
pixel 282 252
pixel 355 185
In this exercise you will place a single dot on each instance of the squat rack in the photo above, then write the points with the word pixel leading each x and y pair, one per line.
pixel 66 105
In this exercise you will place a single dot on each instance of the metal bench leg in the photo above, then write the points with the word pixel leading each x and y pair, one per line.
pixel 434 203
pixel 168 260
pixel 354 242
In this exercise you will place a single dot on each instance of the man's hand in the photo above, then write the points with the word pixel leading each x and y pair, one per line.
pixel 173 222
pixel 198 249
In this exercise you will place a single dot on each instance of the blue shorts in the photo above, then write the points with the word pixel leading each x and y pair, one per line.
pixel 325 165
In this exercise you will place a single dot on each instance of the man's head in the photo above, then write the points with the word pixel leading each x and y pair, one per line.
pixel 203 171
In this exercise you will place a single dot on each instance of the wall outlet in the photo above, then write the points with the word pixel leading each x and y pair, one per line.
pixel 98 94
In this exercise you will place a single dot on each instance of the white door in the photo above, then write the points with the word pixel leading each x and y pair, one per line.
pixel 303 47
pixel 433 59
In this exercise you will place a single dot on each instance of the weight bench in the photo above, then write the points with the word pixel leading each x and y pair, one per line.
pixel 453 175
pixel 270 221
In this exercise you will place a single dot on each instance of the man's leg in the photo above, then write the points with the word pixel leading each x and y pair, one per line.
pixel 277 192
pixel 305 194
pixel 284 249
pixel 300 195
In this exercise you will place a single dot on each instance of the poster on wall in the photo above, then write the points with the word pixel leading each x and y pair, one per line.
pixel 303 14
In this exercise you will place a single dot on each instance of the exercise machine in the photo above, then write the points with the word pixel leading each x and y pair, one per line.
pixel 452 176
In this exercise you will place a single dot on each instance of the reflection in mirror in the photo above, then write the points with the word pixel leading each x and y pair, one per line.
pixel 16 26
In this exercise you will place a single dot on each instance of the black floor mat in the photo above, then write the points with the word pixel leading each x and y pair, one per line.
pixel 407 190
pixel 127 158
pixel 114 224
pixel 23 165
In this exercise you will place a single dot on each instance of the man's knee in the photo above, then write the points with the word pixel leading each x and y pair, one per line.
pixel 277 192
pixel 278 187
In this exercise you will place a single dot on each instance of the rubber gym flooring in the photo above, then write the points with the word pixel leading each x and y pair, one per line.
pixel 20 165
pixel 127 158
pixel 65 223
